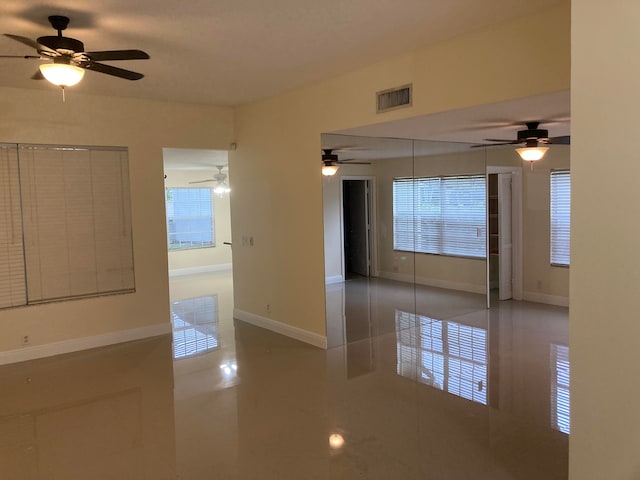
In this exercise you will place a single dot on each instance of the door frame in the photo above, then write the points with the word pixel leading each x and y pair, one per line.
pixel 372 208
pixel 516 228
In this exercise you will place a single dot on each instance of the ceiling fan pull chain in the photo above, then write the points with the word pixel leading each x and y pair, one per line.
pixel 64 100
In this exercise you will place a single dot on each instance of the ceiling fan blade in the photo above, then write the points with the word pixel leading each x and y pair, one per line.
pixel 349 162
pixel 564 140
pixel 204 181
pixel 109 70
pixel 37 76
pixel 30 43
pixel 20 56
pixel 501 140
pixel 27 41
pixel 493 144
pixel 117 55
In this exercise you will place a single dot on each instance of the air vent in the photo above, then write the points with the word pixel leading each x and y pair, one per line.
pixel 394 98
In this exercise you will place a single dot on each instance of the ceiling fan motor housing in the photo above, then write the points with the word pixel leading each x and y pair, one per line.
pixel 327 156
pixel 62 43
pixel 532 133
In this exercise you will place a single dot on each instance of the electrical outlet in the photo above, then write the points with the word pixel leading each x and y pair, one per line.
pixel 25 340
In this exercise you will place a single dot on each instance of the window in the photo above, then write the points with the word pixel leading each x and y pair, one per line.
pixel 65 223
pixel 441 215
pixel 189 218
pixel 560 217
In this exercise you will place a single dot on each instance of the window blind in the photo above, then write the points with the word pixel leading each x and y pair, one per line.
pixel 12 276
pixel 77 226
pixel 189 218
pixel 560 217
pixel 440 215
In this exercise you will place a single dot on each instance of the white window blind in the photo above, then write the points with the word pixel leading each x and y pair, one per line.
pixel 560 392
pixel 77 225
pixel 560 217
pixel 440 215
pixel 12 276
pixel 446 355
pixel 189 218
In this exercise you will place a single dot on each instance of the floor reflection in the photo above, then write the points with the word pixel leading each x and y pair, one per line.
pixel 103 414
pixel 195 325
pixel 443 354
pixel 413 388
pixel 560 395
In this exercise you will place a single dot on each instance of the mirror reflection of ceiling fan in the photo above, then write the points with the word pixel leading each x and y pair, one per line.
pixel 220 179
pixel 331 163
pixel 533 141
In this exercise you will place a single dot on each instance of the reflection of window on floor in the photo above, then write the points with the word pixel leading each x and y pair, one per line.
pixel 560 405
pixel 195 325
pixel 444 354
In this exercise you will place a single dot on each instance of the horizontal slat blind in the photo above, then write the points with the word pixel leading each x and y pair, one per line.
pixel 560 217
pixel 441 215
pixel 77 226
pixel 12 277
pixel 189 218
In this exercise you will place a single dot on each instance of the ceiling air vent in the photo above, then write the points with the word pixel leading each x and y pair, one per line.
pixel 394 98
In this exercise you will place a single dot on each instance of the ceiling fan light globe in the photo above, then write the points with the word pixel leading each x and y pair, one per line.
pixel 532 154
pixel 61 74
pixel 329 170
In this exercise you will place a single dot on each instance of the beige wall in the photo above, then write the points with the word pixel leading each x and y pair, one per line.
pixel 145 127
pixel 276 167
pixel 220 254
pixel 605 268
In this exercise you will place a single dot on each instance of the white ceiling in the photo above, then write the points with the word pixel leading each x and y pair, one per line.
pixel 229 52
pixel 193 159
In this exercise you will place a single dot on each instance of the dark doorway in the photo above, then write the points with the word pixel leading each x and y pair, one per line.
pixel 356 212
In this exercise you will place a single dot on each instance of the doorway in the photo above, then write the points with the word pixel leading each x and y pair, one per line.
pixel 504 234
pixel 357 208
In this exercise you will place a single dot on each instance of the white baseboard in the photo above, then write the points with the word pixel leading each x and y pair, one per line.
pixel 178 272
pixel 75 344
pixel 434 282
pixel 282 328
pixel 545 298
pixel 334 279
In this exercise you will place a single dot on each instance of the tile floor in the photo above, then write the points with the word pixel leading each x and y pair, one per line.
pixel 417 384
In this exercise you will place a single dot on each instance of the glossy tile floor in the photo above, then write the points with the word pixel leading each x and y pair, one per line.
pixel 416 384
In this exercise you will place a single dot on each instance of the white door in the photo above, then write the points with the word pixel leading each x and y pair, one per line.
pixel 504 232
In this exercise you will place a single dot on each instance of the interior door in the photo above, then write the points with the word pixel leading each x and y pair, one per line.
pixel 505 236
pixel 356 226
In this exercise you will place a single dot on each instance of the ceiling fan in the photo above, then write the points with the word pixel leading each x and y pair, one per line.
pixel 330 161
pixel 220 179
pixel 533 141
pixel 67 59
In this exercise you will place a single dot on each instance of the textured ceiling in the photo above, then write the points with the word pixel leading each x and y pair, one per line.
pixel 229 52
